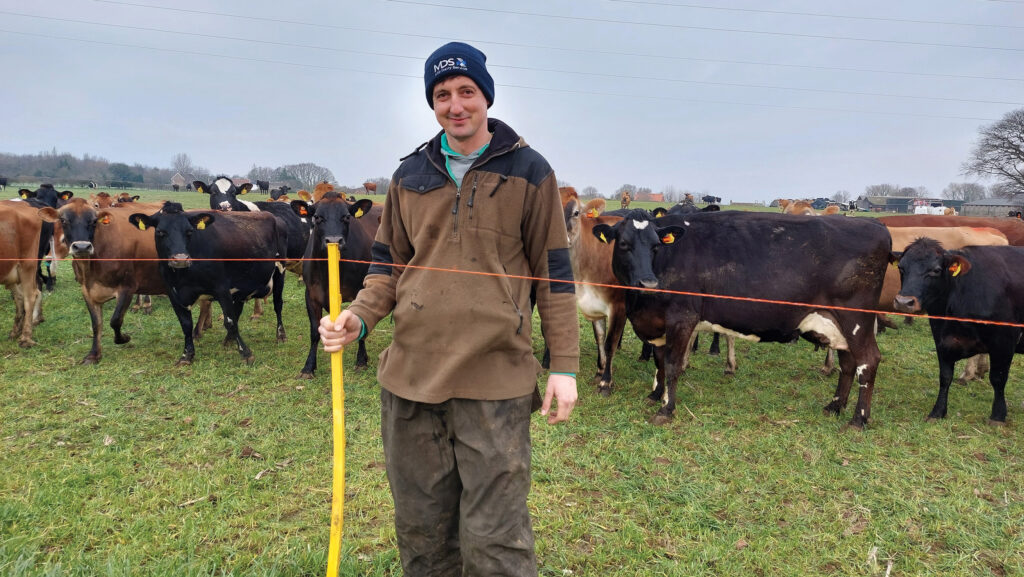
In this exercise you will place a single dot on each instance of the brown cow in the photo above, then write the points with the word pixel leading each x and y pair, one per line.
pixel 1013 228
pixel 95 237
pixel 20 228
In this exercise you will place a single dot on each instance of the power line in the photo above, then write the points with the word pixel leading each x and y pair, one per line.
pixel 818 14
pixel 705 28
pixel 523 87
pixel 525 68
pixel 488 41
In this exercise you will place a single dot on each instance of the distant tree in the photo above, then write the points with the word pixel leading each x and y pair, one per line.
pixel 882 190
pixel 841 196
pixel 631 189
pixel 123 173
pixel 913 191
pixel 589 192
pixel 381 182
pixel 670 193
pixel 562 183
pixel 182 163
pixel 1003 190
pixel 966 191
pixel 642 191
pixel 260 173
pixel 308 174
pixel 999 154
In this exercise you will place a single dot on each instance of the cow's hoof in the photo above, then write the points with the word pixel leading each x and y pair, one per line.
pixel 995 423
pixel 359 368
pixel 832 409
pixel 26 343
pixel 660 419
pixel 855 425
pixel 305 376
pixel 604 390
pixel 90 360
pixel 125 339
pixel 730 372
pixel 826 370
pixel 147 311
pixel 250 359
pixel 183 362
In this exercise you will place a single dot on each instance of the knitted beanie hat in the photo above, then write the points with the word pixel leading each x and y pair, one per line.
pixel 457 59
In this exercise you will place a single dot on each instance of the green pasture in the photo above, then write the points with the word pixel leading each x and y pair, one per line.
pixel 135 467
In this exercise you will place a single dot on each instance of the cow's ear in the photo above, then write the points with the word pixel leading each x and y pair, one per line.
pixel 895 256
pixel 201 221
pixel 245 188
pixel 360 207
pixel 135 198
pixel 605 233
pixel 200 186
pixel 957 265
pixel 304 195
pixel 66 195
pixel 300 207
pixel 104 217
pixel 25 194
pixel 659 212
pixel 49 214
pixel 670 234
pixel 142 221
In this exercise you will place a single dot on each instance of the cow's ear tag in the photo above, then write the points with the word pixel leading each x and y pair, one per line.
pixel 201 225
pixel 142 225
pixel 359 213
pixel 303 211
pixel 954 268
pixel 24 196
pixel 592 213
pixel 200 190
pixel 604 239
pixel 105 220
pixel 668 238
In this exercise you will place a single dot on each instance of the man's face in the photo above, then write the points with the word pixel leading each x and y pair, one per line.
pixel 461 110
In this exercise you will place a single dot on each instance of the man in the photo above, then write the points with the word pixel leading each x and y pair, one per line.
pixel 472 217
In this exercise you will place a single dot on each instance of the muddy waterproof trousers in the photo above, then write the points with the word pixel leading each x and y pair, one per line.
pixel 460 473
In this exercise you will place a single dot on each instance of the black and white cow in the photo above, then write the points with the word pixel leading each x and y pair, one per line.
pixel 228 256
pixel 347 225
pixel 821 262
pixel 977 282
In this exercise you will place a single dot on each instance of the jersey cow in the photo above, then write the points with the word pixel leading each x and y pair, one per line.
pixel 20 227
pixel 113 259
pixel 228 256
pixel 347 225
pixel 753 255
pixel 973 283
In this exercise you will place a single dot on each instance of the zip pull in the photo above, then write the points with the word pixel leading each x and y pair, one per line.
pixel 501 180
pixel 458 195
pixel 473 193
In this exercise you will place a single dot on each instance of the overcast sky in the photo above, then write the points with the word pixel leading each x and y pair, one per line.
pixel 744 99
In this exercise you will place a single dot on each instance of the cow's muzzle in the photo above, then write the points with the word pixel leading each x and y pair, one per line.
pixel 905 304
pixel 81 248
pixel 179 261
pixel 650 283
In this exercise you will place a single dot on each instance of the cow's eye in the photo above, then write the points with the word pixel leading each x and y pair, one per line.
pixel 160 233
pixel 937 271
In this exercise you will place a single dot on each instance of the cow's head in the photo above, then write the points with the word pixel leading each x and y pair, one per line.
pixel 331 218
pixel 636 239
pixel 101 200
pixel 926 273
pixel 78 221
pixel 223 193
pixel 173 231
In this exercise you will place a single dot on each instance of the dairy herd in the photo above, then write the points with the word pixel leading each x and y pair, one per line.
pixel 755 276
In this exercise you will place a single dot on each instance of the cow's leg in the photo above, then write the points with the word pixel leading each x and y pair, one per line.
pixel 185 320
pixel 847 367
pixel 600 331
pixel 362 359
pixel 866 356
pixel 830 361
pixel 657 395
pixel 616 326
pixel 205 320
pixel 117 319
pixel 730 359
pixel 715 350
pixel 279 303
pixel 29 295
pixel 974 369
pixel 257 308
pixel 314 310
pixel 677 347
pixel 998 373
pixel 96 320
pixel 232 312
pixel 946 363
pixel 645 352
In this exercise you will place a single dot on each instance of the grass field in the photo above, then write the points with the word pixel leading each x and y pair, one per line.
pixel 134 467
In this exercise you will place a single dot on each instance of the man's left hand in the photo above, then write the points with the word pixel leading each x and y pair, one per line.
pixel 561 388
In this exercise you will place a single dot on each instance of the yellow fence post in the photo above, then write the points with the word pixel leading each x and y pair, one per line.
pixel 338 412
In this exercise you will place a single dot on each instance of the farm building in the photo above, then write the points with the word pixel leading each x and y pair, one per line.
pixel 182 182
pixel 902 204
pixel 994 206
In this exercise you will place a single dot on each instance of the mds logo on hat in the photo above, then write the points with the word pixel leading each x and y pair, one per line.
pixel 449 64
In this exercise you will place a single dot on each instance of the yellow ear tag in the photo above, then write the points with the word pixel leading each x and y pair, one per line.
pixel 359 213
pixel 142 225
pixel 24 196
pixel 200 190
pixel 955 268
pixel 592 213
pixel 603 239
pixel 668 238
pixel 201 225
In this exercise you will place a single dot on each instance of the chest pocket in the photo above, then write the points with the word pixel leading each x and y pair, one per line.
pixel 423 183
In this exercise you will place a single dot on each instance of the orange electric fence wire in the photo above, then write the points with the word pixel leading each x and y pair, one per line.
pixel 574 282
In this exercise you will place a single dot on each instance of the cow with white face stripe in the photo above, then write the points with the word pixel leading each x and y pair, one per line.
pixel 823 263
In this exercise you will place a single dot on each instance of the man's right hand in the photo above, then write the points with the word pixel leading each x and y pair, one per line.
pixel 340 332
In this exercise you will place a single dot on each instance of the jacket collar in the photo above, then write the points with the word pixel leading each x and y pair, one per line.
pixel 504 139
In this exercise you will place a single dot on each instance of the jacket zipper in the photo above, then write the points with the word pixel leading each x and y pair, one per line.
pixel 455 209
pixel 512 299
pixel 472 197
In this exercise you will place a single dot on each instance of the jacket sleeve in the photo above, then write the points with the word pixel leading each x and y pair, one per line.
pixel 391 247
pixel 547 248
